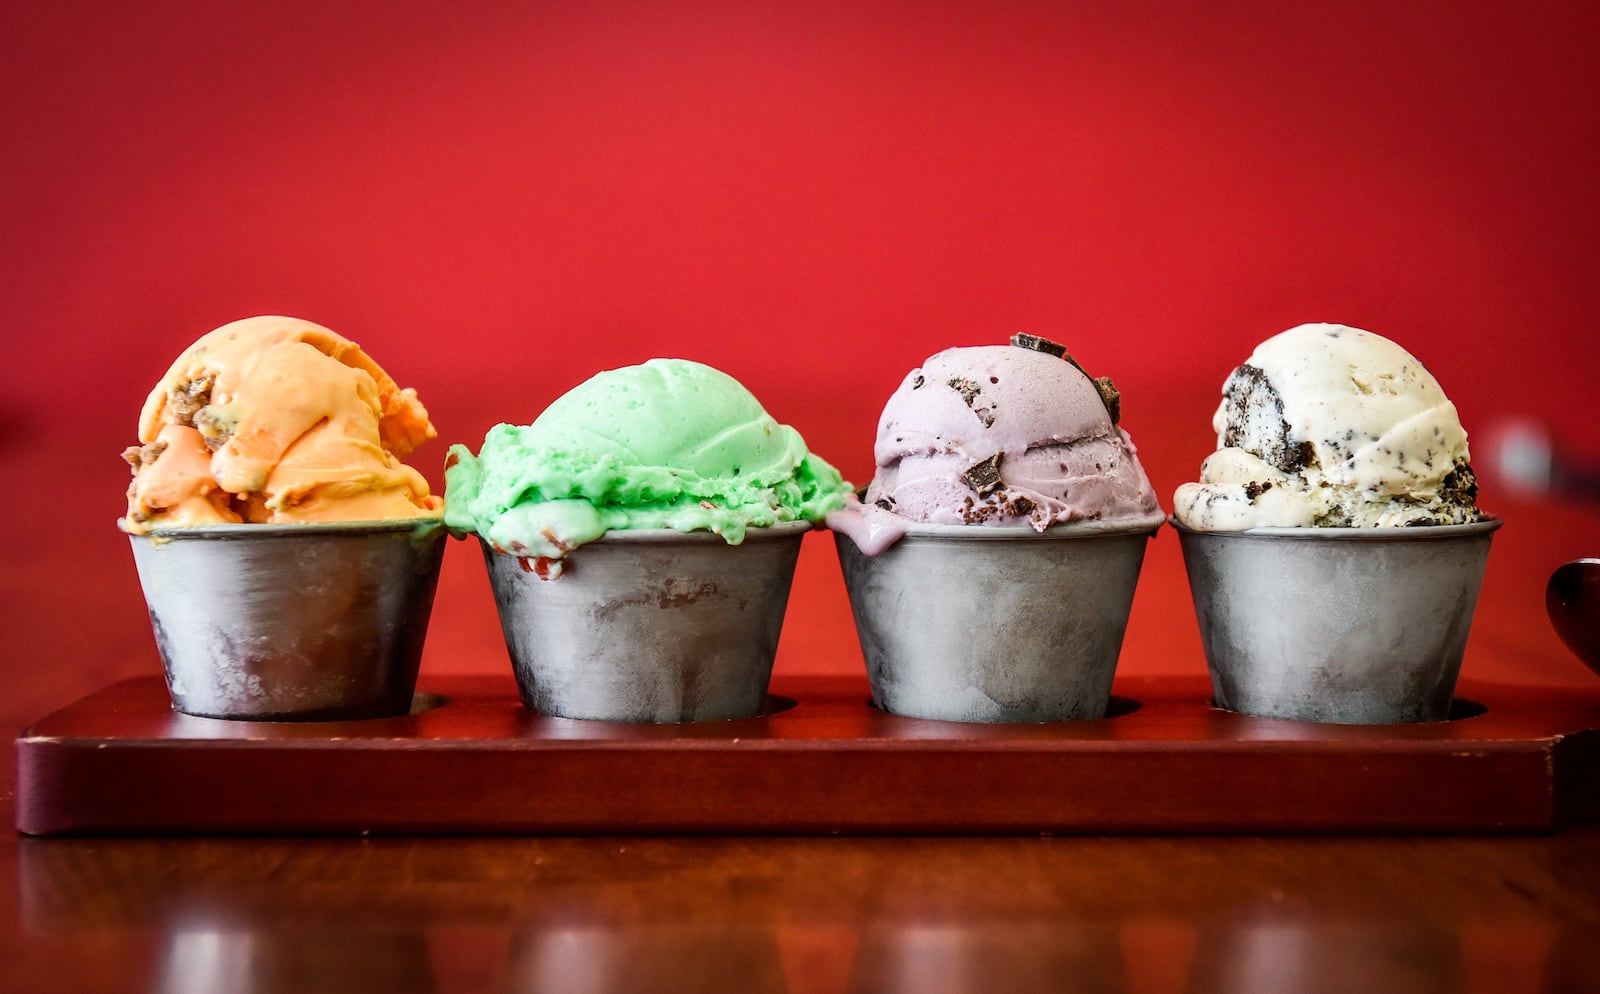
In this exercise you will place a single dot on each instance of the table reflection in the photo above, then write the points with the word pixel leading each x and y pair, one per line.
pixel 836 916
pixel 203 928
pixel 1018 957
pixel 1266 952
pixel 201 958
pixel 623 958
pixel 1573 962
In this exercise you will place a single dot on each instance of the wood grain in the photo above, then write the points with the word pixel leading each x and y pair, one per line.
pixel 808 914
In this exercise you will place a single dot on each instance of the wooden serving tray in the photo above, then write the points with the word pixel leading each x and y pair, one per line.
pixel 471 760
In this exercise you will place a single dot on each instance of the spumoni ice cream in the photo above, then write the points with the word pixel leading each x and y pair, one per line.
pixel 669 443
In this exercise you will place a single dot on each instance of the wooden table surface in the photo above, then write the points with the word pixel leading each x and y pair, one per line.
pixel 1124 914
pixel 802 915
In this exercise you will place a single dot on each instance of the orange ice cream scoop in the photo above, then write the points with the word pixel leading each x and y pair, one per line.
pixel 276 420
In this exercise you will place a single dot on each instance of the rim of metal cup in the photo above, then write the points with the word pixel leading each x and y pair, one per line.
pixel 1326 533
pixel 661 536
pixel 245 530
pixel 1015 533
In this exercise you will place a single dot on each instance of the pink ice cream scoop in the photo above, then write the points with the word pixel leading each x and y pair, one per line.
pixel 1000 435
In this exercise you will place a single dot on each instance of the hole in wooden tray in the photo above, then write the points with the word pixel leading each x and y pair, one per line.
pixel 1121 706
pixel 1461 709
pixel 423 701
pixel 776 705
pixel 1117 707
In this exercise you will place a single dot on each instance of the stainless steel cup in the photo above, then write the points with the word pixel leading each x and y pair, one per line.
pixel 973 623
pixel 649 626
pixel 1340 625
pixel 302 622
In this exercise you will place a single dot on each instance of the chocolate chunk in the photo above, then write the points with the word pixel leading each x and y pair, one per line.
pixel 984 477
pixel 970 392
pixel 966 388
pixel 1038 344
pixel 1022 506
pixel 1253 407
pixel 1253 489
pixel 1299 456
pixel 917 383
pixel 1338 517
pixel 886 503
pixel 1110 396
pixel 1460 488
pixel 979 514
pixel 1048 347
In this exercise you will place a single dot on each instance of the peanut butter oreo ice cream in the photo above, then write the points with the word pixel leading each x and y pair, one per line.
pixel 288 556
pixel 274 420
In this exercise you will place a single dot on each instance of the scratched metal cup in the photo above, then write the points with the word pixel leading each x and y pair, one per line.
pixel 1355 626
pixel 990 624
pixel 303 622
pixel 650 625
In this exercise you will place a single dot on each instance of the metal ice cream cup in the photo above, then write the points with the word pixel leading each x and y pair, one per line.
pixel 648 626
pixel 995 624
pixel 1340 625
pixel 301 622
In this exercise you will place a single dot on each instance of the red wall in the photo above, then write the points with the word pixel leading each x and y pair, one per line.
pixel 500 200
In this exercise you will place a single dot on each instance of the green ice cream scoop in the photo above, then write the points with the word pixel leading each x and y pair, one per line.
pixel 666 444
